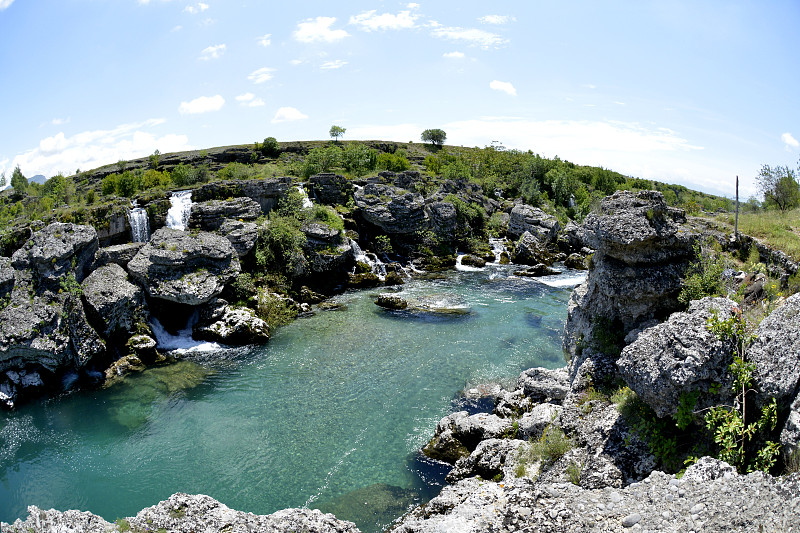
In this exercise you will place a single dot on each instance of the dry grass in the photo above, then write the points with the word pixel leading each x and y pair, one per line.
pixel 779 230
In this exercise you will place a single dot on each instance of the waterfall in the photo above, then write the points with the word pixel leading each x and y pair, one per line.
pixel 178 214
pixel 377 266
pixel 140 226
pixel 498 247
pixel 306 200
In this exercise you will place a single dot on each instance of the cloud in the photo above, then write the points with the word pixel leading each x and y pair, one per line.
pixel 329 65
pixel 412 5
pixel 198 8
pixel 212 52
pixel 503 86
pixel 265 40
pixel 318 30
pixel 176 28
pixel 5 3
pixel 60 121
pixel 497 19
pixel 249 100
pixel 295 62
pixel 261 75
pixel 288 114
pixel 453 55
pixel 473 36
pixel 789 140
pixel 370 21
pixel 91 149
pixel 203 104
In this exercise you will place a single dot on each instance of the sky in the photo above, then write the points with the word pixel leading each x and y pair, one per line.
pixel 693 92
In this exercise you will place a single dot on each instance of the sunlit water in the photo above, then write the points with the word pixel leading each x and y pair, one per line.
pixel 329 414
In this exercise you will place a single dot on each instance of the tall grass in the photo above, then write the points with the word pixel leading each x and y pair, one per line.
pixel 778 229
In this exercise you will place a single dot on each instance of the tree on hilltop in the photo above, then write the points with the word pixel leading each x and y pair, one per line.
pixel 336 132
pixel 434 136
pixel 779 187
pixel 18 181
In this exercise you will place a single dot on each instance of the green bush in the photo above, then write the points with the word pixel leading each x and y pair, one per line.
pixel 395 162
pixel 236 171
pixel 705 276
pixel 548 449
pixel 279 247
pixel 270 147
pixel 359 159
pixel 321 160
pixel 326 215
pixel 274 310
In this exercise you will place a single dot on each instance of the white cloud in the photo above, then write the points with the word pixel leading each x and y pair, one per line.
pixel 265 40
pixel 295 62
pixel 318 30
pixel 198 8
pixel 370 21
pixel 203 104
pixel 60 121
pixel 497 19
pixel 91 149
pixel 789 140
pixel 212 52
pixel 329 65
pixel 412 5
pixel 261 75
pixel 503 86
pixel 288 114
pixel 5 3
pixel 473 36
pixel 453 55
pixel 249 100
pixel 176 28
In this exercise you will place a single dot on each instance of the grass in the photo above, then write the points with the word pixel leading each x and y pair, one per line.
pixel 775 228
pixel 548 449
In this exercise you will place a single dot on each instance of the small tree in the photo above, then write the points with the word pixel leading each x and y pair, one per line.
pixel 336 132
pixel 18 181
pixel 779 187
pixel 270 147
pixel 434 136
pixel 2 179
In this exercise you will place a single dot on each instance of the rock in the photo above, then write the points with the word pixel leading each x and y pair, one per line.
pixel 575 261
pixel 473 261
pixel 210 215
pixel 443 219
pixel 236 326
pixel 242 235
pixel 363 280
pixel 631 520
pixel 533 423
pixel 266 192
pixel 113 303
pixel 330 189
pixel 790 434
pixel 391 301
pixel 573 239
pixel 179 267
pixel 393 278
pixel 488 460
pixel 533 220
pixel 120 254
pixel 529 250
pixel 6 276
pixel 542 384
pixel 708 469
pixel 536 271
pixel 681 357
pixel 332 262
pixel 57 250
pixel 393 210
pixel 318 234
pixel 444 445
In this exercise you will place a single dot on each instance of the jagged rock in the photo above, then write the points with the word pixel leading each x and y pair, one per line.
pixel 536 271
pixel 443 219
pixel 267 192
pixel 790 434
pixel 329 188
pixel 318 234
pixel 363 280
pixel 575 261
pixel 524 218
pixel 488 460
pixel 114 303
pixel 242 235
pixel 393 210
pixel 57 250
pixel 444 445
pixel 333 262
pixel 120 254
pixel 237 325
pixel 529 250
pixel 393 278
pixel 776 354
pixel 6 276
pixel 459 433
pixel 125 365
pixel 533 423
pixel 179 267
pixel 708 469
pixel 544 385
pixel 573 239
pixel 680 357
pixel 391 301
pixel 473 261
pixel 210 215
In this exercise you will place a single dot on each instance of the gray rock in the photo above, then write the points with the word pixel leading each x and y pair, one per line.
pixel 529 250
pixel 318 234
pixel 489 459
pixel 393 210
pixel 573 238
pixel 120 254
pixel 179 267
pixel 536 271
pixel 790 434
pixel 210 215
pixel 443 219
pixel 329 188
pixel 57 250
pixel 575 261
pixel 266 192
pixel 542 384
pixel 390 301
pixel 533 423
pixel 242 235
pixel 524 218
pixel 681 356
pixel 707 469
pixel 113 302
pixel 236 326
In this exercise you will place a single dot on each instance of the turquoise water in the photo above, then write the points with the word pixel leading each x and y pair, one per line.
pixel 329 414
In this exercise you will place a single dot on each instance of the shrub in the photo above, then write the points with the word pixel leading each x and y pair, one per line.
pixel 328 216
pixel 321 160
pixel 279 247
pixel 274 310
pixel 395 162
pixel 548 449
pixel 237 171
pixel 359 159
pixel 270 147
pixel 705 278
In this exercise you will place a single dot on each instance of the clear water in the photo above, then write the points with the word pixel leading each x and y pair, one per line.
pixel 329 414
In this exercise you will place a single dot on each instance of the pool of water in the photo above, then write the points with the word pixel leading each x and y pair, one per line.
pixel 329 414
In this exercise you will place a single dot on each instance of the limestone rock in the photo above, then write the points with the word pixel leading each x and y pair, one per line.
pixel 266 192
pixel 681 356
pixel 575 261
pixel 113 302
pixel 237 325
pixel 536 271
pixel 488 460
pixel 525 218
pixel 533 423
pixel 210 215
pixel 391 301
pixel 242 235
pixel 708 469
pixel 179 267
pixel 443 219
pixel 790 435
pixel 542 384
pixel 57 250
pixel 120 254
pixel 6 276
pixel 393 210
pixel 473 261
pixel 329 188
pixel 529 250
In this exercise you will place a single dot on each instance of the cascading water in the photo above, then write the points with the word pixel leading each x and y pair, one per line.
pixel 140 226
pixel 306 200
pixel 178 214
pixel 377 266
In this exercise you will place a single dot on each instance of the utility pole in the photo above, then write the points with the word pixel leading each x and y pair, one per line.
pixel 736 226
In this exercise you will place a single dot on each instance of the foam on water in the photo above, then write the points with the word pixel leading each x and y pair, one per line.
pixel 183 342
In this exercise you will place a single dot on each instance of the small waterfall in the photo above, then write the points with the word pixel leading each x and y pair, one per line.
pixel 465 268
pixel 178 214
pixel 498 247
pixel 377 266
pixel 306 200
pixel 140 226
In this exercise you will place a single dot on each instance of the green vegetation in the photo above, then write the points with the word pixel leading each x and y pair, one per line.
pixel 705 275
pixel 779 187
pixel 548 449
pixel 435 136
pixel 273 309
pixel 336 132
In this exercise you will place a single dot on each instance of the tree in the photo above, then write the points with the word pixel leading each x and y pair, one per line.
pixel 336 132
pixel 18 181
pixel 270 147
pixel 779 187
pixel 2 179
pixel 434 136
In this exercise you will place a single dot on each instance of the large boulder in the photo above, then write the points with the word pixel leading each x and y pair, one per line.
pixel 460 433
pixel 180 267
pixel 524 218
pixel 120 254
pixel 57 250
pixel 210 215
pixel 530 250
pixel 393 210
pixel 242 235
pixel 113 303
pixel 681 357
pixel 233 325
pixel 443 219
pixel 329 188
pixel 6 276
pixel 266 192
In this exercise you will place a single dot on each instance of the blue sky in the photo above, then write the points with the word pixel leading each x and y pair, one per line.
pixel 692 92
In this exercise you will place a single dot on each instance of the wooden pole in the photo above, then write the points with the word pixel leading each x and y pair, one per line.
pixel 736 226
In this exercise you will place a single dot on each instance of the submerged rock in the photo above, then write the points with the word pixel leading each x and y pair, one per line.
pixel 391 301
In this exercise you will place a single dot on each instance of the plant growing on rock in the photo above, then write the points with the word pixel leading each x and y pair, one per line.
pixel 548 449
pixel 705 276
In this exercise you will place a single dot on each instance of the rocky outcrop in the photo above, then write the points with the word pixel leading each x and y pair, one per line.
pixel 459 433
pixel 393 210
pixel 391 301
pixel 443 219
pixel 329 188
pixel 210 215
pixel 57 250
pixel 6 276
pixel 242 235
pixel 266 192
pixel 524 218
pixel 529 250
pixel 179 267
pixel 184 512
pixel 230 324
pixel 120 254
pixel 114 304
pixel 681 357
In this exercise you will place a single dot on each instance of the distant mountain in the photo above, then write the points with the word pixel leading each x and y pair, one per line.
pixel 38 178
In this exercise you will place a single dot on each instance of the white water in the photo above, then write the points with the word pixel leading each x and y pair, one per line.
pixel 140 226
pixel 570 279
pixel 377 266
pixel 182 342
pixel 306 200
pixel 498 247
pixel 178 214
pixel 465 268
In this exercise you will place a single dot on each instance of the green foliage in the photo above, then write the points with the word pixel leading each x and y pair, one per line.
pixel 237 171
pixel 273 309
pixel 184 175
pixel 435 136
pixel 433 165
pixel 270 147
pixel 326 215
pixel 321 160
pixel 70 285
pixel 359 159
pixel 291 204
pixel 395 162
pixel 705 276
pixel 607 336
pixel 548 449
pixel 279 247
pixel 470 216
pixel 574 473
pixel 779 187
pixel 685 414
pixel 336 132
pixel 382 244
pixel 18 181
pixel 122 524
pixel 154 159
